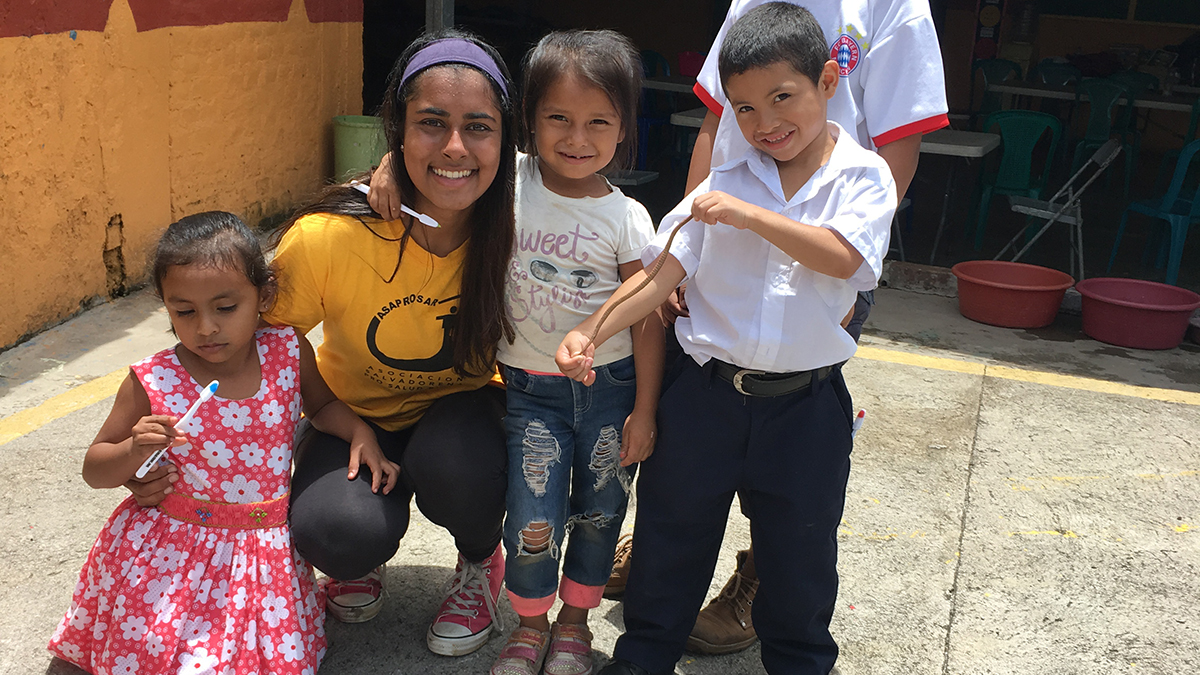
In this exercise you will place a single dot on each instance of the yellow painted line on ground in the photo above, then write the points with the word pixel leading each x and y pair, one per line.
pixel 80 397
pixel 1031 376
pixel 1097 386
pixel 920 360
pixel 31 419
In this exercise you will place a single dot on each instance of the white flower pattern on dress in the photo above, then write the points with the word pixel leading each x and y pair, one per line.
pixel 166 596
pixel 217 453
pixel 287 379
pixel 133 627
pixel 291 646
pixel 125 665
pixel 272 414
pixel 199 662
pixel 154 644
pixel 275 609
pixel 195 476
pixel 193 427
pixel 252 455
pixel 241 490
pixel 235 416
pixel 162 379
pixel 176 403
pixel 281 459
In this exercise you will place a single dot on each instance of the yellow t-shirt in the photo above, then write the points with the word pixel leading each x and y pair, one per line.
pixel 387 351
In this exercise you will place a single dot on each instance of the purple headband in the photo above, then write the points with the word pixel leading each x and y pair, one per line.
pixel 454 50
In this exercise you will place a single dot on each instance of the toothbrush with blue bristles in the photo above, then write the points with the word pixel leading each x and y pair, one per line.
pixel 153 459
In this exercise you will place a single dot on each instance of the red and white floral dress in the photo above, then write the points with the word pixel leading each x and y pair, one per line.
pixel 208 582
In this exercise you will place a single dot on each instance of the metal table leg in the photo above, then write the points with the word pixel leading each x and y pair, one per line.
pixel 945 207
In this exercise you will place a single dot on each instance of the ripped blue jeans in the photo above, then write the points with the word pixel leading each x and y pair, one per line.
pixel 564 475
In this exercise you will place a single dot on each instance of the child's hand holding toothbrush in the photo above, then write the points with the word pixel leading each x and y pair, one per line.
pixel 153 433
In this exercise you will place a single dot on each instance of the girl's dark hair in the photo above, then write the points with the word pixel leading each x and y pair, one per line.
pixel 774 32
pixel 214 239
pixel 482 321
pixel 603 58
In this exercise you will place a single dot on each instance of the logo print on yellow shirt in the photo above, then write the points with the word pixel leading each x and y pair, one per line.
pixel 443 359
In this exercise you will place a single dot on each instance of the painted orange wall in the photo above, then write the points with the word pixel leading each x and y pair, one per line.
pixel 107 137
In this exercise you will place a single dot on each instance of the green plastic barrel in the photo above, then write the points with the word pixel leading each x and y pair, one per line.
pixel 358 144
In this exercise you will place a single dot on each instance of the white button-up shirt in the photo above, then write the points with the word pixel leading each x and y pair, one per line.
pixel 750 303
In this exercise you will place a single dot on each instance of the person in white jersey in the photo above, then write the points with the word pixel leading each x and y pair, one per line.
pixel 892 91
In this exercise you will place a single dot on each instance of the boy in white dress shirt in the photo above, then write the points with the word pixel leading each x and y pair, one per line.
pixel 776 244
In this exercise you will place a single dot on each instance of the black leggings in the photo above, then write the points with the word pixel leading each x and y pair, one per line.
pixel 454 460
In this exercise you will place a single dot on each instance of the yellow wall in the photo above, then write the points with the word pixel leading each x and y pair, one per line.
pixel 106 138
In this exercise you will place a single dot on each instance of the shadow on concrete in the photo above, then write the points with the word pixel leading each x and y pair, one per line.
pixel 108 329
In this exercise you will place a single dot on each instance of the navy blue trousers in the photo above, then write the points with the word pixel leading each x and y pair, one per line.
pixel 788 459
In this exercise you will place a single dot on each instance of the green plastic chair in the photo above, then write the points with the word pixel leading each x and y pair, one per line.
pixel 1170 156
pixel 1106 117
pixel 1179 213
pixel 1138 81
pixel 1020 132
pixel 994 71
pixel 1055 74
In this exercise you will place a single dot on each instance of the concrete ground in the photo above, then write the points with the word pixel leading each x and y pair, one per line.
pixel 1020 502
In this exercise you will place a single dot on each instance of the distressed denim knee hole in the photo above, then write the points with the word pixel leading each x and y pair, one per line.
pixel 606 460
pixel 540 450
pixel 537 538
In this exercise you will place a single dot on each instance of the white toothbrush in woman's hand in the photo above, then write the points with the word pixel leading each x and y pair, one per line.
pixel 366 189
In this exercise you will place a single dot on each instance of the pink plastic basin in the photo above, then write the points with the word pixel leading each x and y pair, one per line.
pixel 1135 313
pixel 1008 294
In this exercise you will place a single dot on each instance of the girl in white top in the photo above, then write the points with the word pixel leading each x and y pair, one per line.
pixel 571 448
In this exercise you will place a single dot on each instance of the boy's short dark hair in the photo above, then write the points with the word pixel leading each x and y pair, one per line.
pixel 775 32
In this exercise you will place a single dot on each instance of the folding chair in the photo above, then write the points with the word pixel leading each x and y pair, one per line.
pixel 1068 211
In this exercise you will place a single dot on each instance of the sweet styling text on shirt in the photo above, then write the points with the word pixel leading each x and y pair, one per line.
pixel 533 293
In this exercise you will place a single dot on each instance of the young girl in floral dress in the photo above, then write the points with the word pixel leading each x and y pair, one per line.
pixel 208 581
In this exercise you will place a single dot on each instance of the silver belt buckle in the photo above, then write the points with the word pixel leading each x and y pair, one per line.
pixel 737 379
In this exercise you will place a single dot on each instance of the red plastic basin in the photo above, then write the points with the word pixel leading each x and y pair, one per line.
pixel 1135 313
pixel 1008 294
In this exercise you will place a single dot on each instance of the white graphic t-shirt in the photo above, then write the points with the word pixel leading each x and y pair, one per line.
pixel 564 266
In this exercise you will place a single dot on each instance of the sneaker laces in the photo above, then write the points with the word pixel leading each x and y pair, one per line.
pixel 462 589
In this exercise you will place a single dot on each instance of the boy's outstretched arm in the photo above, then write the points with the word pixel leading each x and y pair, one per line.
pixel 574 356
pixel 817 248
pixel 649 347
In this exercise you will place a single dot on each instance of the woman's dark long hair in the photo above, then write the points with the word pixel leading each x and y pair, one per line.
pixel 483 321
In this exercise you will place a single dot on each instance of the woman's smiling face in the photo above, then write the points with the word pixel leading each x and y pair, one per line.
pixel 452 140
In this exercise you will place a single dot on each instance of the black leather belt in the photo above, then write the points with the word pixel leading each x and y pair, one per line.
pixel 761 383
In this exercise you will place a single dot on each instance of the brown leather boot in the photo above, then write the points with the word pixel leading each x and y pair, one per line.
pixel 725 626
pixel 615 587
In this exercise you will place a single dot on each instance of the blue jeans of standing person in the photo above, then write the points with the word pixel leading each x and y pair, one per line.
pixel 565 474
